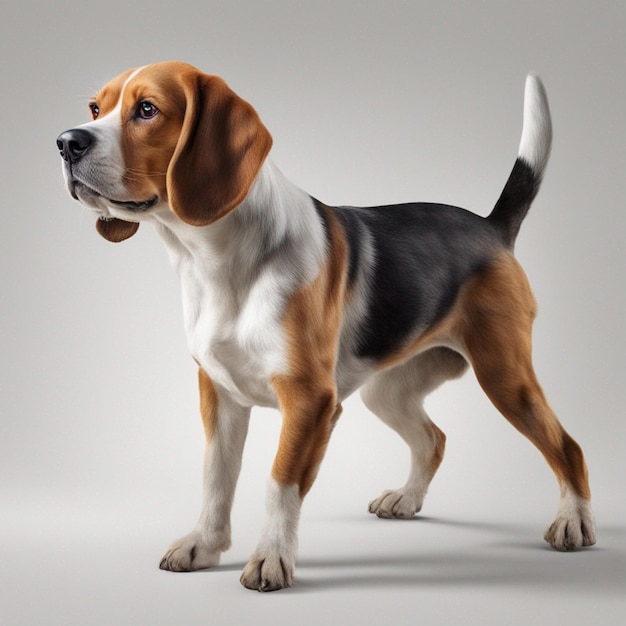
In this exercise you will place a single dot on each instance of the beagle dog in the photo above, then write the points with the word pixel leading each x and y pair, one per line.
pixel 293 304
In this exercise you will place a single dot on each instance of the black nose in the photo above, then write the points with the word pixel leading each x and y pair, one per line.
pixel 73 144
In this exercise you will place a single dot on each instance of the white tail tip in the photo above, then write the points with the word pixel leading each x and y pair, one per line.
pixel 536 139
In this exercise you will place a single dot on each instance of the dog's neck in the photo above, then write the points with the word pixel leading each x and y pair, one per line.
pixel 275 217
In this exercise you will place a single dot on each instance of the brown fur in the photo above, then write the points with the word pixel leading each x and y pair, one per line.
pixel 439 450
pixel 202 151
pixel 208 403
pixel 222 146
pixel 108 97
pixel 148 147
pixel 308 394
pixel 492 320
pixel 495 328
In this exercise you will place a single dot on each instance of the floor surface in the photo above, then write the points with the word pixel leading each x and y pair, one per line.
pixel 353 569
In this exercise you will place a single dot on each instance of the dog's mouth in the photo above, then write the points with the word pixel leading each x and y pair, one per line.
pixel 110 227
pixel 132 205
pixel 80 191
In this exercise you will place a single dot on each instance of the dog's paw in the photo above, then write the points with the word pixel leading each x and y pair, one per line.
pixel 190 553
pixel 267 572
pixel 397 503
pixel 572 529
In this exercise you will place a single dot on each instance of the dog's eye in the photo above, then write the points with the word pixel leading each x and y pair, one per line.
pixel 146 110
pixel 95 110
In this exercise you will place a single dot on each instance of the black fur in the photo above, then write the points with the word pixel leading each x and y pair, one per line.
pixel 517 196
pixel 423 254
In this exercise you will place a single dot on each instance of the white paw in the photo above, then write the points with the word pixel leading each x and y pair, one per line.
pixel 268 572
pixel 572 528
pixel 190 553
pixel 399 503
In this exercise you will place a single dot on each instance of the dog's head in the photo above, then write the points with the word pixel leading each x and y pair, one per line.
pixel 163 135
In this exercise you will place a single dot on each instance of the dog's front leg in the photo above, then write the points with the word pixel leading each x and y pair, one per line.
pixel 309 414
pixel 226 426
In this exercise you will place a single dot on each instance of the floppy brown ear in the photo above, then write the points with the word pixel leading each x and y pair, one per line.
pixel 221 148
pixel 116 230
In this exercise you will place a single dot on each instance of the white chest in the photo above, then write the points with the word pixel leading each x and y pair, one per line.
pixel 235 334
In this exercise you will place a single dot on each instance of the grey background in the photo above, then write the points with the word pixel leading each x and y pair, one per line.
pixel 368 102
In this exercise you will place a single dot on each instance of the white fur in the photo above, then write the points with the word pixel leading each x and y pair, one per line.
pixel 272 564
pixel 236 276
pixel 574 525
pixel 203 546
pixel 397 396
pixel 536 138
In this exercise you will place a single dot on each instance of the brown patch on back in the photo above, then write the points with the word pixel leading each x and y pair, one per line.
pixel 307 394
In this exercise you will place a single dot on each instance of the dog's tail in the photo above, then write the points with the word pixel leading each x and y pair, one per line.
pixel 532 157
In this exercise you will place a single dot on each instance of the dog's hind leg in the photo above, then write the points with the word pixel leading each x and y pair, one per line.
pixel 396 396
pixel 495 329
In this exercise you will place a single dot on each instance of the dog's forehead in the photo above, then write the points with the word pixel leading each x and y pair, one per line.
pixel 165 74
pixel 164 78
pixel 108 96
